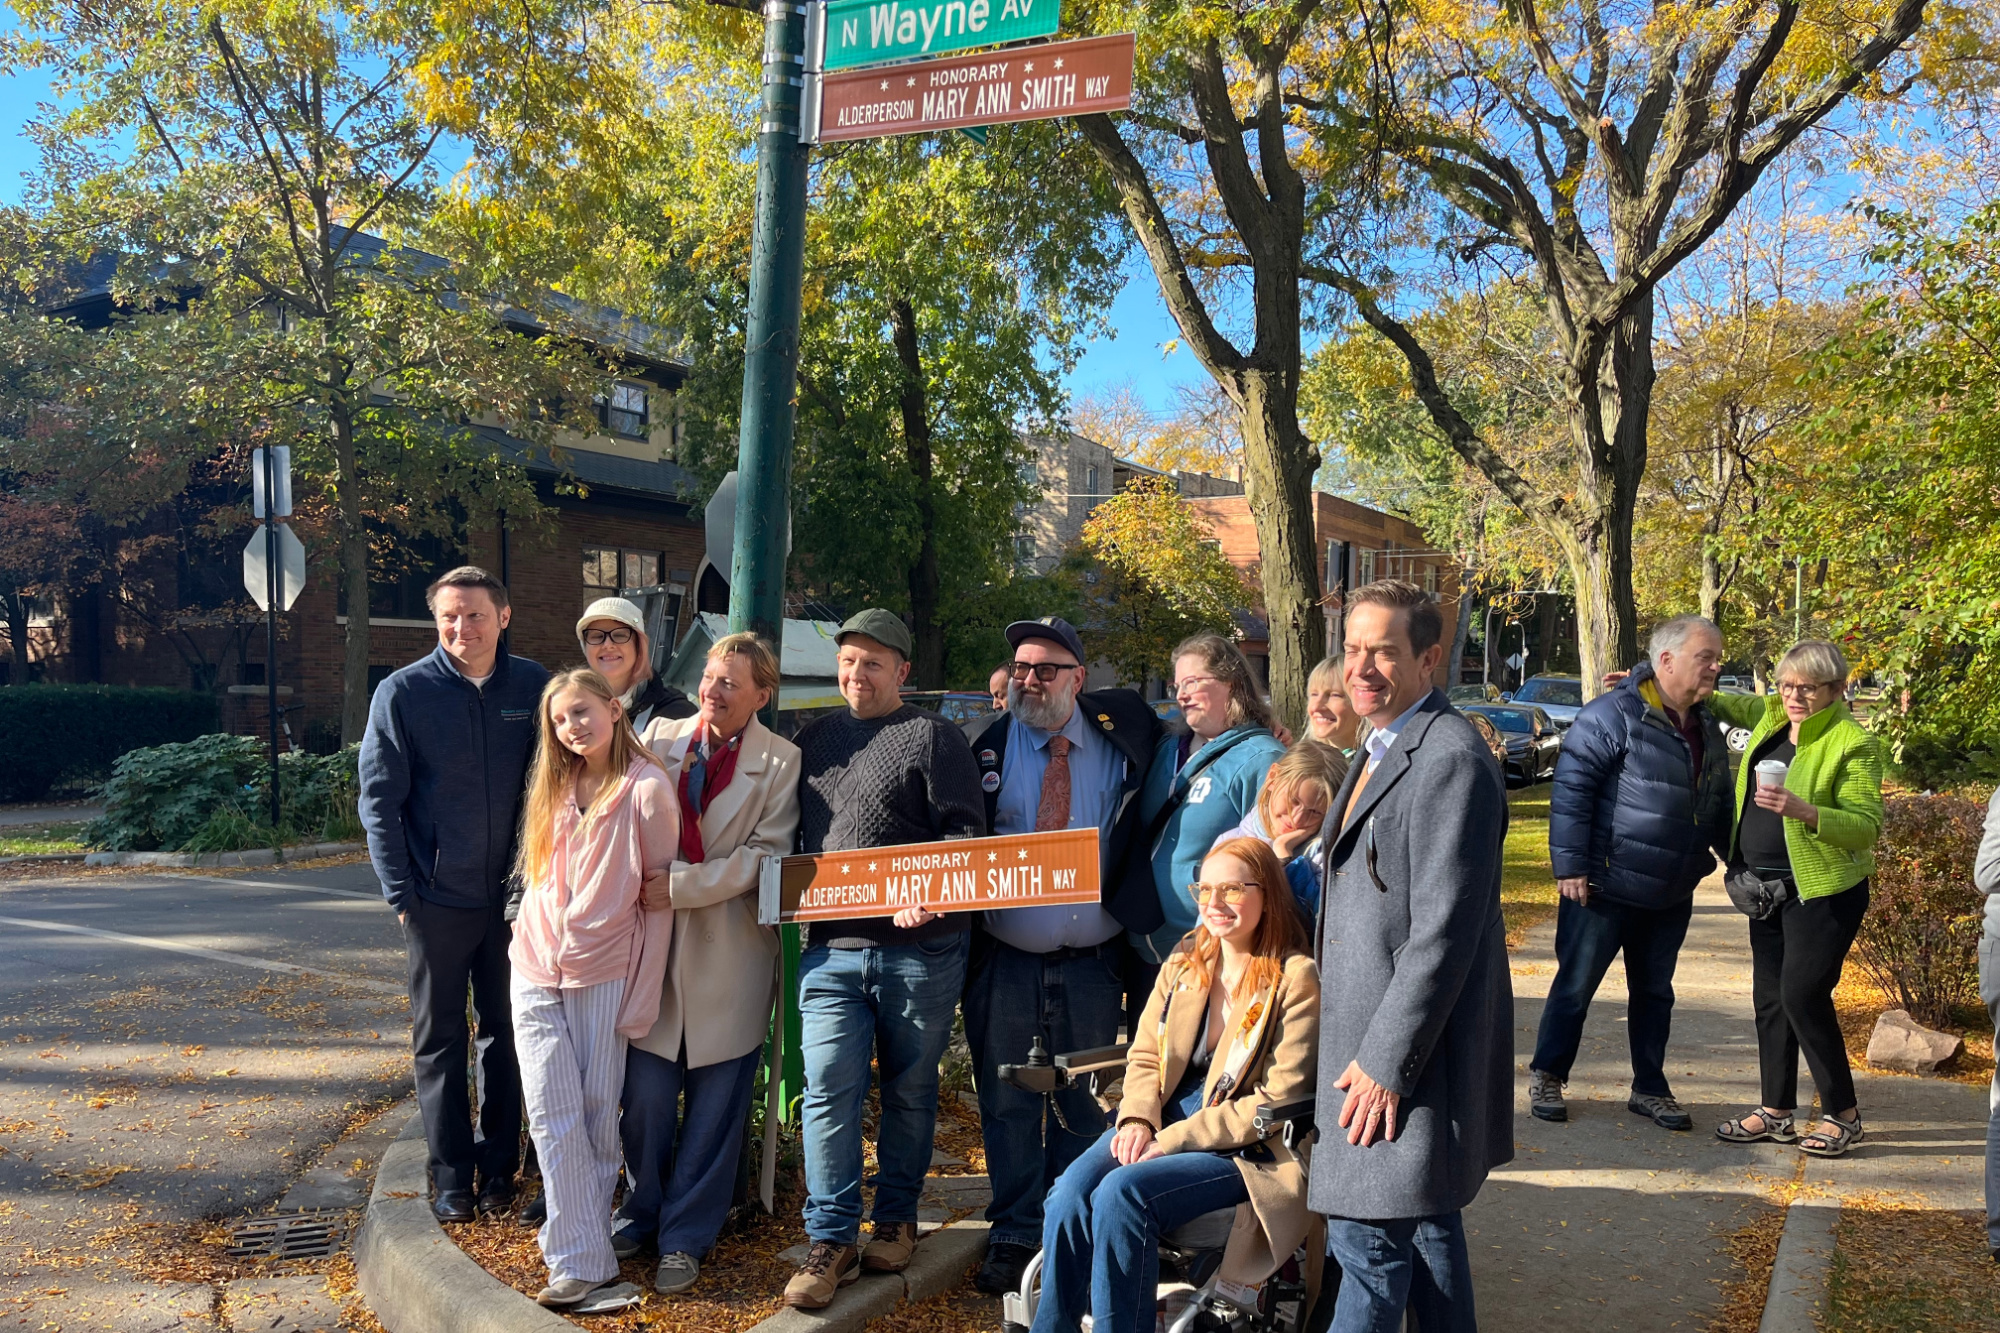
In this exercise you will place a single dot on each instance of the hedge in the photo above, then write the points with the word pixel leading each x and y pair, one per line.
pixel 212 794
pixel 51 734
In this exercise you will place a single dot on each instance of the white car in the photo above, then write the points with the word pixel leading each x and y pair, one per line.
pixel 1561 697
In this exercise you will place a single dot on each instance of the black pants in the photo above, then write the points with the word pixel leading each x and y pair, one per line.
pixel 452 949
pixel 1796 957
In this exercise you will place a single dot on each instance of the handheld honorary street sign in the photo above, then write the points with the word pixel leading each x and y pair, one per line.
pixel 964 875
pixel 1043 82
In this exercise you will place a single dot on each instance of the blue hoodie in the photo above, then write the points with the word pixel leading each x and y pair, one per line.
pixel 443 765
pixel 1212 794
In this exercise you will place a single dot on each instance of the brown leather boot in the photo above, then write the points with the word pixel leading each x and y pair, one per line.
pixel 828 1267
pixel 891 1247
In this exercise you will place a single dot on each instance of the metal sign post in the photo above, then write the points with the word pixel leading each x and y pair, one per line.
pixel 274 573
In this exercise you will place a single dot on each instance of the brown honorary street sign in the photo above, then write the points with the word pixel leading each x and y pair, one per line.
pixel 992 88
pixel 965 875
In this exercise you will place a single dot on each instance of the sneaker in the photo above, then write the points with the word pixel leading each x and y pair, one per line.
pixel 1005 1262
pixel 1662 1111
pixel 625 1243
pixel 565 1292
pixel 609 1298
pixel 1545 1096
pixel 891 1248
pixel 828 1267
pixel 678 1272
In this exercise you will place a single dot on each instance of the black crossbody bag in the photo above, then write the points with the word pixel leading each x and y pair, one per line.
pixel 1755 896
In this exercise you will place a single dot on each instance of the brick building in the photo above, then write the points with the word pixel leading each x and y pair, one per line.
pixel 617 515
pixel 1357 545
pixel 1073 475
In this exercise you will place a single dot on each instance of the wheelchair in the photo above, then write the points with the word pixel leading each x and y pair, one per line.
pixel 1191 1254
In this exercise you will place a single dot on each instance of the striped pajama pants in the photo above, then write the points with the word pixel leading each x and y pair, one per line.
pixel 572 1068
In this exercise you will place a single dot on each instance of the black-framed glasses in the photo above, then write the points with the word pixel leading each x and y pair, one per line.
pixel 596 638
pixel 1805 689
pixel 1044 671
pixel 1231 892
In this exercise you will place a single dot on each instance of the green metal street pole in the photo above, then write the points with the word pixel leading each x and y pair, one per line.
pixel 770 385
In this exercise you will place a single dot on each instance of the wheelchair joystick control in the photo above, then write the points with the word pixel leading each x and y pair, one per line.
pixel 1038 1054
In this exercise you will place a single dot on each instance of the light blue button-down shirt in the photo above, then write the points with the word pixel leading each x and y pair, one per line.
pixel 1382 739
pixel 1096 780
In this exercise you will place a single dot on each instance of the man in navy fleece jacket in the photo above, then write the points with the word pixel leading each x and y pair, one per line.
pixel 442 769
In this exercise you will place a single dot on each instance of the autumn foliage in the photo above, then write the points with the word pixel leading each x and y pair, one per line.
pixel 1162 577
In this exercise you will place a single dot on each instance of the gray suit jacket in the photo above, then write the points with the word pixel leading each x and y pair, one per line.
pixel 1414 982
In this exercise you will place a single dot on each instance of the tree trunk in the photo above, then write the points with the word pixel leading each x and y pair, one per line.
pixel 927 667
pixel 353 576
pixel 17 636
pixel 1278 478
pixel 1711 582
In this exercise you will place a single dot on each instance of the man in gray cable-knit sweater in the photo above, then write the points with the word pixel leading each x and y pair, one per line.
pixel 878 774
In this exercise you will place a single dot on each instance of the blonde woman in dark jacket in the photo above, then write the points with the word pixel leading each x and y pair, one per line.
pixel 1233 1022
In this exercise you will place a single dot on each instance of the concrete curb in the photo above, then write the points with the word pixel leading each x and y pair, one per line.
pixel 940 1265
pixel 1799 1273
pixel 260 856
pixel 41 858
pixel 413 1277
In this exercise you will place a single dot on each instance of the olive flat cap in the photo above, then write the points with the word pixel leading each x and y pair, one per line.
pixel 885 627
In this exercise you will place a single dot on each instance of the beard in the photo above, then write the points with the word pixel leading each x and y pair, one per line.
pixel 1044 712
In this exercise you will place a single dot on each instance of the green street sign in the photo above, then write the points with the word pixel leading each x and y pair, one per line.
pixel 866 32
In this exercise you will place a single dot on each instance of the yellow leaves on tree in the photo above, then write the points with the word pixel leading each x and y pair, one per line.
pixel 1162 578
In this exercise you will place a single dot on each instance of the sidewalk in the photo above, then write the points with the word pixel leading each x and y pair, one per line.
pixel 1609 1223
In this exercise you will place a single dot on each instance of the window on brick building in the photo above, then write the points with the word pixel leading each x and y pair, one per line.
pixel 627 411
pixel 400 569
pixel 608 569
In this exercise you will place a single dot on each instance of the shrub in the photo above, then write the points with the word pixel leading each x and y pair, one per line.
pixel 213 795
pixel 52 734
pixel 1919 941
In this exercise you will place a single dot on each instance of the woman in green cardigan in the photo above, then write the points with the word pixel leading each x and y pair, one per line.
pixel 1815 831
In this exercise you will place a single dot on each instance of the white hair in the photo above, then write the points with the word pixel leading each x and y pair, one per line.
pixel 1815 660
pixel 1670 636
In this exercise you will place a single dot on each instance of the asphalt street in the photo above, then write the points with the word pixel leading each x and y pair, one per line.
pixel 177 1049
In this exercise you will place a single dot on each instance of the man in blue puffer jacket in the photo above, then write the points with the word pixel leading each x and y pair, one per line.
pixel 443 765
pixel 1638 813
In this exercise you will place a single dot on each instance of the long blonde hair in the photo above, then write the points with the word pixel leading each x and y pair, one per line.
pixel 1281 929
pixel 552 774
pixel 1309 764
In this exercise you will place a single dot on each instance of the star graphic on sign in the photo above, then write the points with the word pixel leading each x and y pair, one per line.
pixel 1023 853
pixel 885 85
pixel 845 869
pixel 993 856
pixel 871 866
pixel 910 84
pixel 1058 63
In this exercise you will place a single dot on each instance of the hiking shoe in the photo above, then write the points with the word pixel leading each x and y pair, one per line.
pixel 828 1267
pixel 565 1292
pixel 891 1247
pixel 1662 1111
pixel 1545 1096
pixel 678 1272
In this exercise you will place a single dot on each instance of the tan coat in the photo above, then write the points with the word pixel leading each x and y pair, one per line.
pixel 1283 1068
pixel 722 969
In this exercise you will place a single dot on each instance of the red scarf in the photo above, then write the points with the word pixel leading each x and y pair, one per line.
pixel 721 767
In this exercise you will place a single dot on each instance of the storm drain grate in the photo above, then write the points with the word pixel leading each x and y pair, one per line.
pixel 297 1237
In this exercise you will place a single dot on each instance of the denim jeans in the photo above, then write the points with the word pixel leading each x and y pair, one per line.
pixel 1588 936
pixel 1989 991
pixel 682 1132
pixel 895 1003
pixel 1073 1004
pixel 1101 1238
pixel 1418 1264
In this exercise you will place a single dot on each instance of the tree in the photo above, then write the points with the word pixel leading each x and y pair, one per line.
pixel 239 157
pixel 1587 156
pixel 1162 578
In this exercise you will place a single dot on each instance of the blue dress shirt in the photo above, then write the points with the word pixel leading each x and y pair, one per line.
pixel 1096 781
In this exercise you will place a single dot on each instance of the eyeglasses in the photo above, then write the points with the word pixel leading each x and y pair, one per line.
pixel 1231 893
pixel 595 638
pixel 1804 689
pixel 1194 683
pixel 1043 671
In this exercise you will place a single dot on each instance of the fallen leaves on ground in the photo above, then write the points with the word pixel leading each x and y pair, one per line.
pixel 1860 1002
pixel 1898 1268
pixel 1753 1250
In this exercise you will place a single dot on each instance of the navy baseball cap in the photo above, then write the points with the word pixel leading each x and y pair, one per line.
pixel 1053 628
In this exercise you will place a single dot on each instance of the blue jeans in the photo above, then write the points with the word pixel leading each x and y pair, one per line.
pixel 1989 991
pixel 680 1162
pixel 1588 936
pixel 1073 1004
pixel 893 1002
pixel 1101 1238
pixel 1407 1263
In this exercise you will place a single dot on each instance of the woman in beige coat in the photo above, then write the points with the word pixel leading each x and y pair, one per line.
pixel 738 787
pixel 1233 1022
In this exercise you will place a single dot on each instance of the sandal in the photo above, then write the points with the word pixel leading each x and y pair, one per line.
pixel 1770 1126
pixel 1835 1142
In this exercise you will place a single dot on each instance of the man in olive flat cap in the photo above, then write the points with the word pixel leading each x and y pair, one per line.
pixel 879 774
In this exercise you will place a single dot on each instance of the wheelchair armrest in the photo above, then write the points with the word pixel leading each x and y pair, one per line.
pixel 1298 1112
pixel 1037 1079
pixel 1097 1057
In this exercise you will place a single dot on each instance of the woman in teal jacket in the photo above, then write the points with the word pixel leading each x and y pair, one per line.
pixel 1202 783
pixel 1815 832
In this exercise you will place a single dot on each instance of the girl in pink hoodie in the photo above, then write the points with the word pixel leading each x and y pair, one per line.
pixel 589 961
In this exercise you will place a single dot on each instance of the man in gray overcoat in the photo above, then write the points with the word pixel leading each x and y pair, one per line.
pixel 1416 1058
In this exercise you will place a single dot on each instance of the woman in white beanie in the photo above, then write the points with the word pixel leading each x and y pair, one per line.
pixel 612 633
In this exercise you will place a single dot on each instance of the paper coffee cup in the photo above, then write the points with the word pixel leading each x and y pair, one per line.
pixel 1771 772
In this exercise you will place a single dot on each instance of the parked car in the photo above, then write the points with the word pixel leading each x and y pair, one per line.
pixel 1531 736
pixel 1461 695
pixel 1561 697
pixel 1488 733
